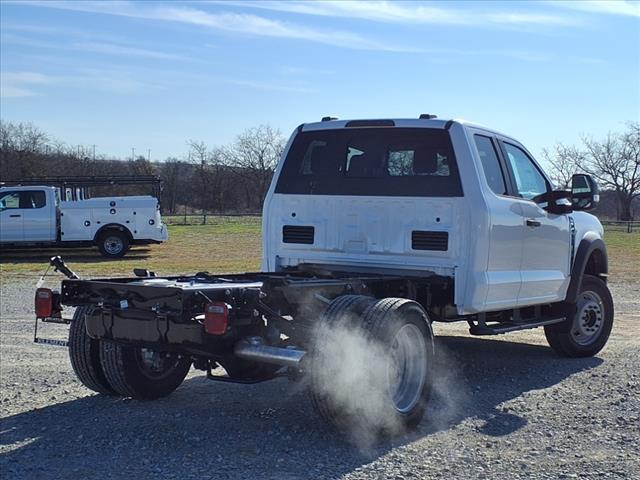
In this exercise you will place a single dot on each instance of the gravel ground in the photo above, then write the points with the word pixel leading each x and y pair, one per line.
pixel 505 407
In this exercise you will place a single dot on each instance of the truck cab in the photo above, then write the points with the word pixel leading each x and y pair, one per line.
pixel 28 214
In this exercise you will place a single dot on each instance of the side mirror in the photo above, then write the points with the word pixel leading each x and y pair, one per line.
pixel 585 194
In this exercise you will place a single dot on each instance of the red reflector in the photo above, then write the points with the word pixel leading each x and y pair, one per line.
pixel 44 303
pixel 216 318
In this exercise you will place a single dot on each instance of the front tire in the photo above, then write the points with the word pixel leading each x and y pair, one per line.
pixel 587 332
pixel 142 373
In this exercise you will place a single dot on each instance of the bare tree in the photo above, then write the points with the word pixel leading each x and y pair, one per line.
pixel 565 160
pixel 210 166
pixel 615 162
pixel 200 156
pixel 24 143
pixel 171 170
pixel 255 154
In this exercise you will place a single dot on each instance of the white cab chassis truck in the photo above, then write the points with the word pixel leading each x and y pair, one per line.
pixel 373 229
pixel 35 216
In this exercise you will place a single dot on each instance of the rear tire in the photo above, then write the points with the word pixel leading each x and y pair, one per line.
pixel 141 373
pixel 589 329
pixel 113 243
pixel 397 342
pixel 84 353
pixel 341 313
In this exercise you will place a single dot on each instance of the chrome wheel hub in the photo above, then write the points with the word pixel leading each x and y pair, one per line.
pixel 155 364
pixel 113 245
pixel 407 368
pixel 589 319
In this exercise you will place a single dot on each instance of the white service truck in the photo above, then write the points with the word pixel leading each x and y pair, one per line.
pixel 372 228
pixel 35 216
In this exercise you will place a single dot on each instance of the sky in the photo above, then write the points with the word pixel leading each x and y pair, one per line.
pixel 152 75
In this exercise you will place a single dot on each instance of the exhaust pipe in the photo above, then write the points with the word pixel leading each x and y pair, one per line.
pixel 254 349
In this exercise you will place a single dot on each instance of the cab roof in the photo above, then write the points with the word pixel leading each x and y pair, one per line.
pixel 441 123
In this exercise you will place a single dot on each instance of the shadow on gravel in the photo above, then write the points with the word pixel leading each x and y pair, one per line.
pixel 75 255
pixel 265 431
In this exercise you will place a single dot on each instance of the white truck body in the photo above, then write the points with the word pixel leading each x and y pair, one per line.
pixel 504 250
pixel 372 230
pixel 34 215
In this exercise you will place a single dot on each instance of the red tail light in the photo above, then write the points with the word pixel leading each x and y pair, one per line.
pixel 216 318
pixel 44 303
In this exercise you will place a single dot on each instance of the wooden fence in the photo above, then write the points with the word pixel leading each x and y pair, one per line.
pixel 628 227
pixel 205 219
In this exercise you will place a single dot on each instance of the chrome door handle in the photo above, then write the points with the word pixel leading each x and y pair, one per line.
pixel 533 223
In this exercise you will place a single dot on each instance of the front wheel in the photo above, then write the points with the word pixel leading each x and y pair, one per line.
pixel 587 332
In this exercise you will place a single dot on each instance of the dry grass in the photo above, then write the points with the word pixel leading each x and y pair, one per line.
pixel 230 244
pixel 623 250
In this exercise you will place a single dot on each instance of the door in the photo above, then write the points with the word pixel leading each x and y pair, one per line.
pixel 11 219
pixel 37 216
pixel 546 246
pixel 505 236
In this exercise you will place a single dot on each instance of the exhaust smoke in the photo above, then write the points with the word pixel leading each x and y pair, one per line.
pixel 354 376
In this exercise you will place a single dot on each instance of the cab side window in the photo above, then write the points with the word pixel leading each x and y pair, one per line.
pixel 10 200
pixel 529 181
pixel 34 199
pixel 23 199
pixel 491 164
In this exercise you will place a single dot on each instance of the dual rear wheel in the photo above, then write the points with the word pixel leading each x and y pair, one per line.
pixel 372 364
pixel 120 370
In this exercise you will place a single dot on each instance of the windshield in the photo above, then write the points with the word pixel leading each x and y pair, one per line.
pixel 371 161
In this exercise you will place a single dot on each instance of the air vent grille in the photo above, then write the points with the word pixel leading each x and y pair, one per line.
pixel 438 241
pixel 298 234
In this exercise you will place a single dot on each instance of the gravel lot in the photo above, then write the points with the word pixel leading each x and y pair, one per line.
pixel 505 407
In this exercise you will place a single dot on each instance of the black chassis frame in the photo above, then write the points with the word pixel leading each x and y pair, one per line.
pixel 168 317
pixel 282 308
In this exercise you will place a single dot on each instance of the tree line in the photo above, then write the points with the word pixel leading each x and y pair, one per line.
pixel 236 177
pixel 614 161
pixel 213 179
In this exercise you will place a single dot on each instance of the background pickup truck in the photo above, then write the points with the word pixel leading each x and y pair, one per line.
pixel 36 215
pixel 372 231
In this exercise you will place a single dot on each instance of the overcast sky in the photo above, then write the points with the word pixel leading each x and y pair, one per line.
pixel 152 75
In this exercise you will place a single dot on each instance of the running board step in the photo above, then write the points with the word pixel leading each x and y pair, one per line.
pixel 498 328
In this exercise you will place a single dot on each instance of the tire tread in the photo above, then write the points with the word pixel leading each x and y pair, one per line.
pixel 84 354
pixel 559 336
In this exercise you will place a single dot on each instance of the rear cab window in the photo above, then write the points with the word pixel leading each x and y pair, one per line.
pixel 371 161
pixel 491 164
